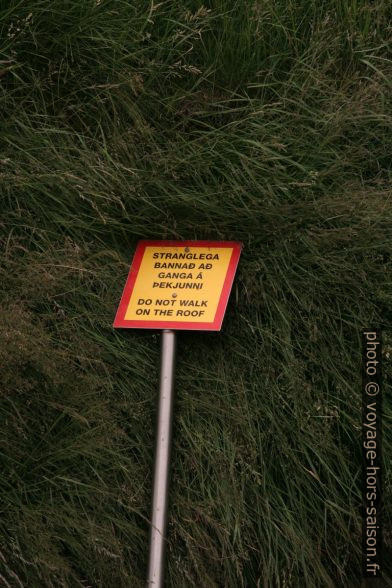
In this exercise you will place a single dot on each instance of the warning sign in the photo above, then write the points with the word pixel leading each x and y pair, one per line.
pixel 178 285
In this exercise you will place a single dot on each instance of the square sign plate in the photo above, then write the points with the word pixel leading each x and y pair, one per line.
pixel 178 285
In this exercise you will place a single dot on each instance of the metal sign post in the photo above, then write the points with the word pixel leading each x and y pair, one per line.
pixel 160 494
pixel 173 285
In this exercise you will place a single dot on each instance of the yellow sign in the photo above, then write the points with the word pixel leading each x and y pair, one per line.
pixel 178 285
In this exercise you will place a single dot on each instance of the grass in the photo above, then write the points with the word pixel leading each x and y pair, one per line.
pixel 268 123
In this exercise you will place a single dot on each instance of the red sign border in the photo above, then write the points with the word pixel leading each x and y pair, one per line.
pixel 121 322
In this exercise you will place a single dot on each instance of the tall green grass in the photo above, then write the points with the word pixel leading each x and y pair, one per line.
pixel 266 122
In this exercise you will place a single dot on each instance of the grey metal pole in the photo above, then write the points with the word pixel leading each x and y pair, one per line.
pixel 156 564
